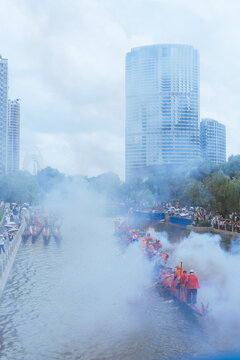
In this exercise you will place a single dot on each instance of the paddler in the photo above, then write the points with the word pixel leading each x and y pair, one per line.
pixel 143 243
pixel 149 249
pixel 183 281
pixel 133 236
pixel 168 280
pixel 174 285
pixel 149 238
pixel 179 271
pixel 165 256
pixel 192 285
pixel 157 245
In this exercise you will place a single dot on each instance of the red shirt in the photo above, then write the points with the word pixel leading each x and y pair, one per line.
pixel 183 279
pixel 149 239
pixel 192 282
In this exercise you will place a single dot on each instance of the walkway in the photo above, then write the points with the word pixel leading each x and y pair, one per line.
pixel 7 258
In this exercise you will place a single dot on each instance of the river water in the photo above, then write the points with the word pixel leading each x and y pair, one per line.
pixel 41 312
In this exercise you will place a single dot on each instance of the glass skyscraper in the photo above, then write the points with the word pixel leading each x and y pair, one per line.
pixel 213 141
pixel 162 107
pixel 13 136
pixel 3 113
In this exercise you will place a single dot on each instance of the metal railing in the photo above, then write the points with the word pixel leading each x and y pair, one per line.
pixel 227 227
pixel 11 249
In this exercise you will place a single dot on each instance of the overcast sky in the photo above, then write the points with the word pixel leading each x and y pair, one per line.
pixel 66 63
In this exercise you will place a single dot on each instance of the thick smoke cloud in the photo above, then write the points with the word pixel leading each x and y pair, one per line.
pixel 218 273
pixel 98 282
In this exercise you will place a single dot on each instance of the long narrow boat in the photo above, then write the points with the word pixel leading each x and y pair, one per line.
pixel 36 232
pixel 56 234
pixel 179 298
pixel 46 234
pixel 150 214
pixel 123 232
pixel 26 234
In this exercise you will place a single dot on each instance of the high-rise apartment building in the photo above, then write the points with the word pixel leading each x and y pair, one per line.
pixel 13 138
pixel 213 141
pixel 162 107
pixel 3 113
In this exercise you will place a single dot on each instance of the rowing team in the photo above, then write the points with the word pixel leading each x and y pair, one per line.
pixel 151 247
pixel 180 284
pixel 176 282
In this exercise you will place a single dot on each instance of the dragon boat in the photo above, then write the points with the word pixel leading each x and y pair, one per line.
pixel 56 234
pixel 169 287
pixel 166 281
pixel 36 231
pixel 46 234
pixel 26 234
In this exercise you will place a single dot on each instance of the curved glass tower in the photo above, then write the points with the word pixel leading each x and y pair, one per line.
pixel 162 107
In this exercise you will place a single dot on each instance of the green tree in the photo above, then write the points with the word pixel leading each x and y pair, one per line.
pixel 49 178
pixel 20 187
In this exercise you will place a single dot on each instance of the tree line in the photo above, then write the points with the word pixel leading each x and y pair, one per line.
pixel 216 187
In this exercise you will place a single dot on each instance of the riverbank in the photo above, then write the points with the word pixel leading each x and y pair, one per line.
pixel 202 230
pixel 169 227
pixel 7 258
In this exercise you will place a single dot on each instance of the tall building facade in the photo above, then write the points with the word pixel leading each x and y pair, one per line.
pixel 3 113
pixel 13 138
pixel 162 107
pixel 213 141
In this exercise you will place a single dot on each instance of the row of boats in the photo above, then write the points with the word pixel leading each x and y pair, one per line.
pixel 167 280
pixel 45 226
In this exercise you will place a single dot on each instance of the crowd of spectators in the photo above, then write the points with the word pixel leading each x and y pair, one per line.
pixel 202 217
pixel 12 215
pixel 229 223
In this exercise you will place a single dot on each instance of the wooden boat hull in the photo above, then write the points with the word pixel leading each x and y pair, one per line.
pixel 36 235
pixel 57 237
pixel 166 293
pixel 46 238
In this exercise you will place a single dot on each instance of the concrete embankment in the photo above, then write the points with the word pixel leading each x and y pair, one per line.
pixel 211 230
pixel 7 258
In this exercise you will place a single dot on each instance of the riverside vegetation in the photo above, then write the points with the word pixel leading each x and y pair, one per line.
pixel 200 184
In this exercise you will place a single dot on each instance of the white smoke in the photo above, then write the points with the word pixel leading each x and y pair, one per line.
pixel 97 284
pixel 218 272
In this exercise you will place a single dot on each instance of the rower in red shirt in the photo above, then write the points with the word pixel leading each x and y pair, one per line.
pixel 192 285
pixel 165 256
pixel 149 238
pixel 183 280
pixel 157 245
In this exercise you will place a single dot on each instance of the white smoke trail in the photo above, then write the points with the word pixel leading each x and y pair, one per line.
pixel 218 272
pixel 97 282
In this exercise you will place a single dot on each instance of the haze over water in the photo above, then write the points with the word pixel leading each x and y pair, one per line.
pixel 92 299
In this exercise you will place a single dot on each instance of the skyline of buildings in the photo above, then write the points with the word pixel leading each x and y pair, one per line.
pixel 213 141
pixel 162 112
pixel 162 124
pixel 9 125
